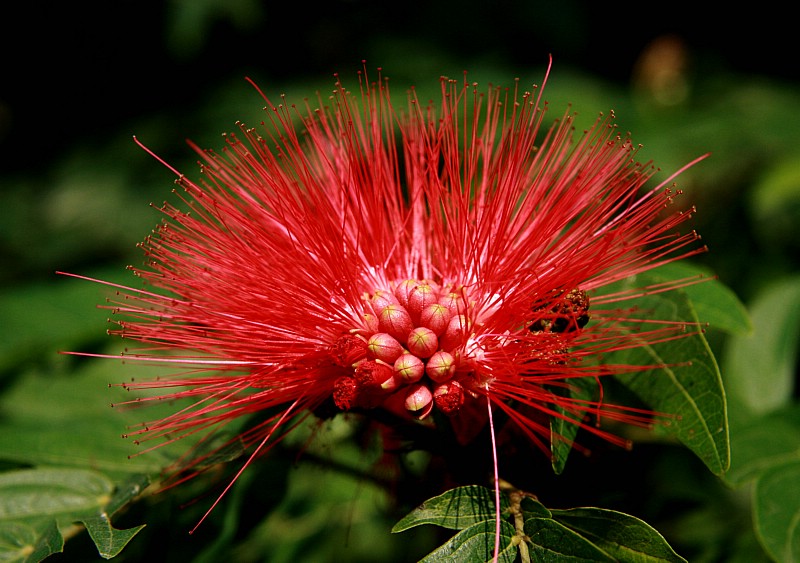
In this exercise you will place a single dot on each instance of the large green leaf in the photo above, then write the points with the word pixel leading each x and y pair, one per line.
pixel 714 302
pixel 580 534
pixel 777 511
pixel 764 442
pixel 33 501
pixel 476 544
pixel 689 386
pixel 455 509
pixel 760 367
pixel 550 540
pixel 562 430
pixel 56 419
pixel 622 536
pixel 29 542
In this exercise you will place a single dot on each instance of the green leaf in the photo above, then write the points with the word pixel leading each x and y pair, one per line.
pixel 59 493
pixel 35 501
pixel 27 542
pixel 760 368
pixel 714 302
pixel 562 431
pixel 763 443
pixel 455 509
pixel 66 420
pixel 552 541
pixel 689 386
pixel 109 541
pixel 476 543
pixel 777 511
pixel 622 536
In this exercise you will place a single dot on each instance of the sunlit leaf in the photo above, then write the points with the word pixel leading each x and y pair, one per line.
pixel 551 541
pixel 476 544
pixel 29 542
pixel 622 536
pixel 455 509
pixel 109 540
pixel 714 302
pixel 689 386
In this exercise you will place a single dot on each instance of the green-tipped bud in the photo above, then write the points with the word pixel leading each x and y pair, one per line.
pixel 435 317
pixel 419 298
pixel 441 366
pixel 455 334
pixel 454 302
pixel 403 290
pixel 383 346
pixel 381 299
pixel 422 342
pixel 419 400
pixel 409 367
pixel 395 320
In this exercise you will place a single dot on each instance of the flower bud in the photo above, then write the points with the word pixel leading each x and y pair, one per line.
pixel 419 400
pixel 384 347
pixel 395 320
pixel 403 290
pixel 448 397
pixel 455 334
pixel 380 299
pixel 454 302
pixel 422 342
pixel 371 322
pixel 441 366
pixel 409 367
pixel 419 298
pixel 393 383
pixel 435 317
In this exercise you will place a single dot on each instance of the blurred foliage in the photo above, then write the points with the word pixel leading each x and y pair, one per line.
pixel 75 192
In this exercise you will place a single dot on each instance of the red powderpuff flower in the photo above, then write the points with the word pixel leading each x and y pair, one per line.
pixel 406 257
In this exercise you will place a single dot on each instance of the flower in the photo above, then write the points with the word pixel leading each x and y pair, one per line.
pixel 362 255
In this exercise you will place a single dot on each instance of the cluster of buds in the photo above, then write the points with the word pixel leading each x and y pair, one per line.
pixel 410 356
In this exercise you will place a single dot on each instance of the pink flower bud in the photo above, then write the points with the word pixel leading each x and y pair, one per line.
pixel 422 342
pixel 393 383
pixel 456 333
pixel 382 346
pixel 409 367
pixel 448 397
pixel 454 302
pixel 419 400
pixel 371 322
pixel 395 320
pixel 380 299
pixel 419 298
pixel 435 317
pixel 403 290
pixel 441 366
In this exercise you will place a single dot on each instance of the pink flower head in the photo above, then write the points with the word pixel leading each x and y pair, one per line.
pixel 366 254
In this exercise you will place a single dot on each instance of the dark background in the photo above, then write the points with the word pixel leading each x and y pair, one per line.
pixel 78 80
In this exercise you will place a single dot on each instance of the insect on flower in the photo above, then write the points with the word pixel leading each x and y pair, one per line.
pixel 364 255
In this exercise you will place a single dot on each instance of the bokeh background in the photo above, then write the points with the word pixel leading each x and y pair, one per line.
pixel 78 80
